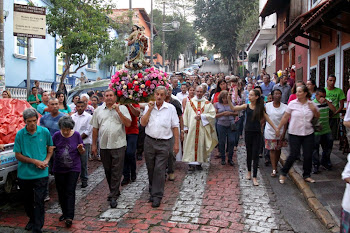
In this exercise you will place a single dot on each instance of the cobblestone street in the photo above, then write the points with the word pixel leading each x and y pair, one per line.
pixel 216 199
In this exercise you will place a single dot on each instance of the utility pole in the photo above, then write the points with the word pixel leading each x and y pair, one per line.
pixel 2 51
pixel 163 36
pixel 28 65
pixel 152 33
pixel 131 14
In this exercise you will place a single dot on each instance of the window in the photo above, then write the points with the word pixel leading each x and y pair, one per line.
pixel 313 74
pixel 331 65
pixel 346 70
pixel 91 66
pixel 293 56
pixel 21 48
pixel 314 3
pixel 322 72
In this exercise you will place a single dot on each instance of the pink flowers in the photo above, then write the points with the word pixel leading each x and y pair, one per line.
pixel 134 87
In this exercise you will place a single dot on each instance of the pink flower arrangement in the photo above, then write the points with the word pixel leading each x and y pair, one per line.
pixel 137 87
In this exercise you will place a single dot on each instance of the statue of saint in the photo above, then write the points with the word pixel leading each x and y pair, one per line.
pixel 138 44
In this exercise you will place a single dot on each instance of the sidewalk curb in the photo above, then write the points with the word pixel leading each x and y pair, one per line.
pixel 321 212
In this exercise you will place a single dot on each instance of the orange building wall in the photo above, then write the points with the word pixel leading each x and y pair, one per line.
pixel 326 46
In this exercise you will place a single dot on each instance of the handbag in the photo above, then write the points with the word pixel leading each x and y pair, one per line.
pixel 316 124
pixel 233 126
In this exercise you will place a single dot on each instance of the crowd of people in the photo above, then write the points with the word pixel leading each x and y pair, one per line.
pixel 185 122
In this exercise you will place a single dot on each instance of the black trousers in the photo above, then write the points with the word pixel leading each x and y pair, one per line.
pixel 65 185
pixel 295 143
pixel 113 163
pixel 140 140
pixel 172 157
pixel 33 194
pixel 252 143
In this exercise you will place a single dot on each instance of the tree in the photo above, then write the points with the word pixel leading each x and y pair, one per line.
pixel 220 22
pixel 114 55
pixel 82 29
pixel 176 42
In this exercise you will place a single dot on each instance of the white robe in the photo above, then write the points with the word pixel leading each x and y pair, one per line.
pixel 201 138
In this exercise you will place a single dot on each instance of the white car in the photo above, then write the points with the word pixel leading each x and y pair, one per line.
pixel 199 62
pixel 194 66
pixel 188 71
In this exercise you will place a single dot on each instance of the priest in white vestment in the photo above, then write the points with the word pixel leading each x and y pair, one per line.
pixel 199 127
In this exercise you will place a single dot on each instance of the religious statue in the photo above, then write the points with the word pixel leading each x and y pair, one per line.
pixel 138 44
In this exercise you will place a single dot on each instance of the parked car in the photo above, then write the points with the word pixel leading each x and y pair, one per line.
pixel 188 71
pixel 199 62
pixel 195 66
pixel 100 85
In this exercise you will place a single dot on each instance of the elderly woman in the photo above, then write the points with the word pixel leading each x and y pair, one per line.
pixel 6 94
pixel 67 166
pixel 226 127
pixel 301 133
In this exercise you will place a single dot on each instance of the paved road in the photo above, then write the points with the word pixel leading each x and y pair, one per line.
pixel 210 66
pixel 216 199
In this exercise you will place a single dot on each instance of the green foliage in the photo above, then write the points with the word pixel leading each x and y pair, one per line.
pixel 115 55
pixel 249 26
pixel 176 42
pixel 220 22
pixel 82 29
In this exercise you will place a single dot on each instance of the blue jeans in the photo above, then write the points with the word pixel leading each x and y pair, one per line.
pixel 84 163
pixel 130 157
pixel 326 142
pixel 34 191
pixel 295 143
pixel 226 135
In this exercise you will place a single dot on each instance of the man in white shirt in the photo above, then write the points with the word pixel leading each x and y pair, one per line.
pixel 183 94
pixel 109 122
pixel 82 125
pixel 162 123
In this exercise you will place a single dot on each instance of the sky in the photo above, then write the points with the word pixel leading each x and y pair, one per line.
pixel 135 4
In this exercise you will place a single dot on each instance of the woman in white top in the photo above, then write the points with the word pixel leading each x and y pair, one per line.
pixel 275 110
pixel 345 215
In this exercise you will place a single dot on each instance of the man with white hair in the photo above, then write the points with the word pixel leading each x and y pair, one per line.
pixel 85 98
pixel 199 125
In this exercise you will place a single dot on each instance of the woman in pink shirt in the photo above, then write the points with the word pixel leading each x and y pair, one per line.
pixel 301 133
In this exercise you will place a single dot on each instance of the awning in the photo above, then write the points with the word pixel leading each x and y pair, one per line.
pixel 271 6
pixel 294 29
pixel 261 39
pixel 326 17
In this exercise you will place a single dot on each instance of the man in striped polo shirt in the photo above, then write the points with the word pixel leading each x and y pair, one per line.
pixel 323 137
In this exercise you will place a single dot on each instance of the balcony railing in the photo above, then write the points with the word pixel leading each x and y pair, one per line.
pixel 21 92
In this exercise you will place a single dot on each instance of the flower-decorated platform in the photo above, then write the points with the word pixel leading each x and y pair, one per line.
pixel 137 86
